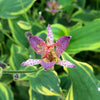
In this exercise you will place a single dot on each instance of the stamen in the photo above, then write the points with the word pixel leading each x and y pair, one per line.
pixel 54 44
pixel 40 51
pixel 42 43
pixel 39 46
pixel 45 56
pixel 47 39
pixel 46 60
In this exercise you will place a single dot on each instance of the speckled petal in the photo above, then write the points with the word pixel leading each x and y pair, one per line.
pixel 47 65
pixel 50 35
pixel 48 4
pixel 54 11
pixel 53 1
pixel 37 44
pixel 31 62
pixel 57 5
pixel 46 9
pixel 62 44
pixel 66 64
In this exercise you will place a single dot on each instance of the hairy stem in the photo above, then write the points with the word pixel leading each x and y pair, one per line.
pixel 18 71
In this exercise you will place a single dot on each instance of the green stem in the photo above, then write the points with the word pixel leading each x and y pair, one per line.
pixel 97 4
pixel 18 71
pixel 1 49
pixel 24 11
pixel 4 45
pixel 4 32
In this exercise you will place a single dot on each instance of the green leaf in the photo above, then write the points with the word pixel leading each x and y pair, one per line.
pixel 3 58
pixel 98 76
pixel 24 25
pixel 59 30
pixel 0 72
pixel 1 37
pixel 13 8
pixel 21 92
pixel 18 55
pixel 85 38
pixel 5 92
pixel 18 33
pixel 97 50
pixel 26 76
pixel 65 79
pixel 65 2
pixel 69 8
pixel 46 83
pixel 81 3
pixel 85 16
pixel 67 5
pixel 6 78
pixel 37 96
pixel 84 84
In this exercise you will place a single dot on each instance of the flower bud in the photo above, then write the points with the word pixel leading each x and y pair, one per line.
pixel 3 65
pixel 16 76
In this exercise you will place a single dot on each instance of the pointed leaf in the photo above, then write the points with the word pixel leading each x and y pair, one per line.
pixel 5 92
pixel 17 57
pixel 85 38
pixel 13 8
pixel 18 33
pixel 59 30
pixel 37 96
pixel 24 25
pixel 46 83
pixel 84 84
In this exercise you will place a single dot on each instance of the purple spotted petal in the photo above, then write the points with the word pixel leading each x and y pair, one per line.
pixel 53 1
pixel 31 62
pixel 50 35
pixel 48 4
pixel 65 63
pixel 54 11
pixel 46 9
pixel 62 44
pixel 47 65
pixel 57 5
pixel 37 44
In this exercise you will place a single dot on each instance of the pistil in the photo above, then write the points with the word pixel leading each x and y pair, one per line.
pixel 50 54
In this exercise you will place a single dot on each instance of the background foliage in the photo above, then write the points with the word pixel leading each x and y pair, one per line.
pixel 77 18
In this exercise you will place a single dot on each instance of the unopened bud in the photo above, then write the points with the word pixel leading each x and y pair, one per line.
pixel 16 76
pixel 28 34
pixel 3 65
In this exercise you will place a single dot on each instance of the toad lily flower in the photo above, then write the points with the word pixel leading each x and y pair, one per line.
pixel 53 7
pixel 47 52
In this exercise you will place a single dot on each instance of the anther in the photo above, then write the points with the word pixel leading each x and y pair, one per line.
pixel 47 39
pixel 39 51
pixel 39 46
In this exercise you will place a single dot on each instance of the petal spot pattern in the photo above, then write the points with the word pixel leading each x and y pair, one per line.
pixel 31 62
pixel 47 65
pixel 63 43
pixel 65 63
